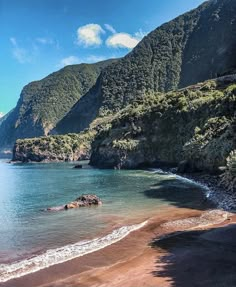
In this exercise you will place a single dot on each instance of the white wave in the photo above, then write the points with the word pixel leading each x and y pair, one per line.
pixel 159 171
pixel 204 187
pixel 63 254
pixel 207 190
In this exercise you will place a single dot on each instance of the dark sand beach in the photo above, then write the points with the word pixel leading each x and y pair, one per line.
pixel 185 247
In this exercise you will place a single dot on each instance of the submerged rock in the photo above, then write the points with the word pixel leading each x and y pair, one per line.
pixel 78 166
pixel 56 208
pixel 72 204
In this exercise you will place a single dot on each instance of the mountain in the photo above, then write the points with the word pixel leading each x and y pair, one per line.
pixel 194 47
pixel 193 128
pixel 43 103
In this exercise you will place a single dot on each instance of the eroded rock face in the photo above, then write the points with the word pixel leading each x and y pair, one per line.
pixel 192 128
pixel 72 147
pixel 85 200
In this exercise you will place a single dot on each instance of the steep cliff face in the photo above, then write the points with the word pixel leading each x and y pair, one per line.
pixel 196 124
pixel 43 103
pixel 194 47
pixel 71 147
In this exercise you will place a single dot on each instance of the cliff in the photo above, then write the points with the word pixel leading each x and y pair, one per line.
pixel 195 125
pixel 71 147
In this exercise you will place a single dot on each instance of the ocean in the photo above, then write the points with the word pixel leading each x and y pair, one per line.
pixel 32 238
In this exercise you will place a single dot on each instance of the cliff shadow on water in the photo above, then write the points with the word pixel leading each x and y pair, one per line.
pixel 209 259
pixel 181 193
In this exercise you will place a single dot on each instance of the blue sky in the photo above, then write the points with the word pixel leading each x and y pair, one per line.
pixel 39 37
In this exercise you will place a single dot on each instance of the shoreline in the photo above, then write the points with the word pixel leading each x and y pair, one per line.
pixel 217 193
pixel 81 270
pixel 133 250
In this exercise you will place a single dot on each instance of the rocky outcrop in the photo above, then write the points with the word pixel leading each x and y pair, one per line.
pixel 228 178
pixel 194 126
pixel 71 147
pixel 84 200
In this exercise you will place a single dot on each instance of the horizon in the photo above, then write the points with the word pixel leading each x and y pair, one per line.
pixel 64 32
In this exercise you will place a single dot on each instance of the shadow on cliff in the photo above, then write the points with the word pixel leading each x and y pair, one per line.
pixel 198 258
pixel 180 193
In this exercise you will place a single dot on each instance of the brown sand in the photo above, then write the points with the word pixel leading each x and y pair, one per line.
pixel 192 258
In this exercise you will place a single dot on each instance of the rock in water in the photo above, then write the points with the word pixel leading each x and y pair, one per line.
pixel 78 166
pixel 89 199
pixel 84 200
pixel 72 204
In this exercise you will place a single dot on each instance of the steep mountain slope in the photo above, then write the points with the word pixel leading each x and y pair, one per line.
pixel 194 47
pixel 43 103
pixel 196 125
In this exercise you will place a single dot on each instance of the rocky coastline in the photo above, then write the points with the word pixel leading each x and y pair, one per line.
pixel 216 192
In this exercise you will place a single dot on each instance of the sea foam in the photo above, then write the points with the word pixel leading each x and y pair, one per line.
pixel 63 254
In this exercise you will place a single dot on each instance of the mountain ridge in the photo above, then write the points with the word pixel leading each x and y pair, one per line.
pixel 42 103
pixel 193 47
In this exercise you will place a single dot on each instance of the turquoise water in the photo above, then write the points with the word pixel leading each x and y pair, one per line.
pixel 128 197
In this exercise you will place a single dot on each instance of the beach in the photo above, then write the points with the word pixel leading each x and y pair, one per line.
pixel 141 259
pixel 154 228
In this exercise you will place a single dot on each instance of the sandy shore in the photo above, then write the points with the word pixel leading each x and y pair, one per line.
pixel 200 251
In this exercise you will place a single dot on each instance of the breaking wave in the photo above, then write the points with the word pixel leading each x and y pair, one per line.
pixel 63 254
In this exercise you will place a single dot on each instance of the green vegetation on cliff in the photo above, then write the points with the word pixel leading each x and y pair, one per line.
pixel 195 124
pixel 43 103
pixel 228 179
pixel 194 47
pixel 70 147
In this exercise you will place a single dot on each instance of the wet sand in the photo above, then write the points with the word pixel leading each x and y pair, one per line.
pixel 141 259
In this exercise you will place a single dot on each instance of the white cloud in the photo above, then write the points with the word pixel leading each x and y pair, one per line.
pixel 1 114
pixel 140 34
pixel 110 28
pixel 94 59
pixel 45 41
pixel 13 41
pixel 19 53
pixel 71 60
pixel 122 40
pixel 90 35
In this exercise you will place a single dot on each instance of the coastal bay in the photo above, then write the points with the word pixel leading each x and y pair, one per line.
pixel 164 202
pixel 118 143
